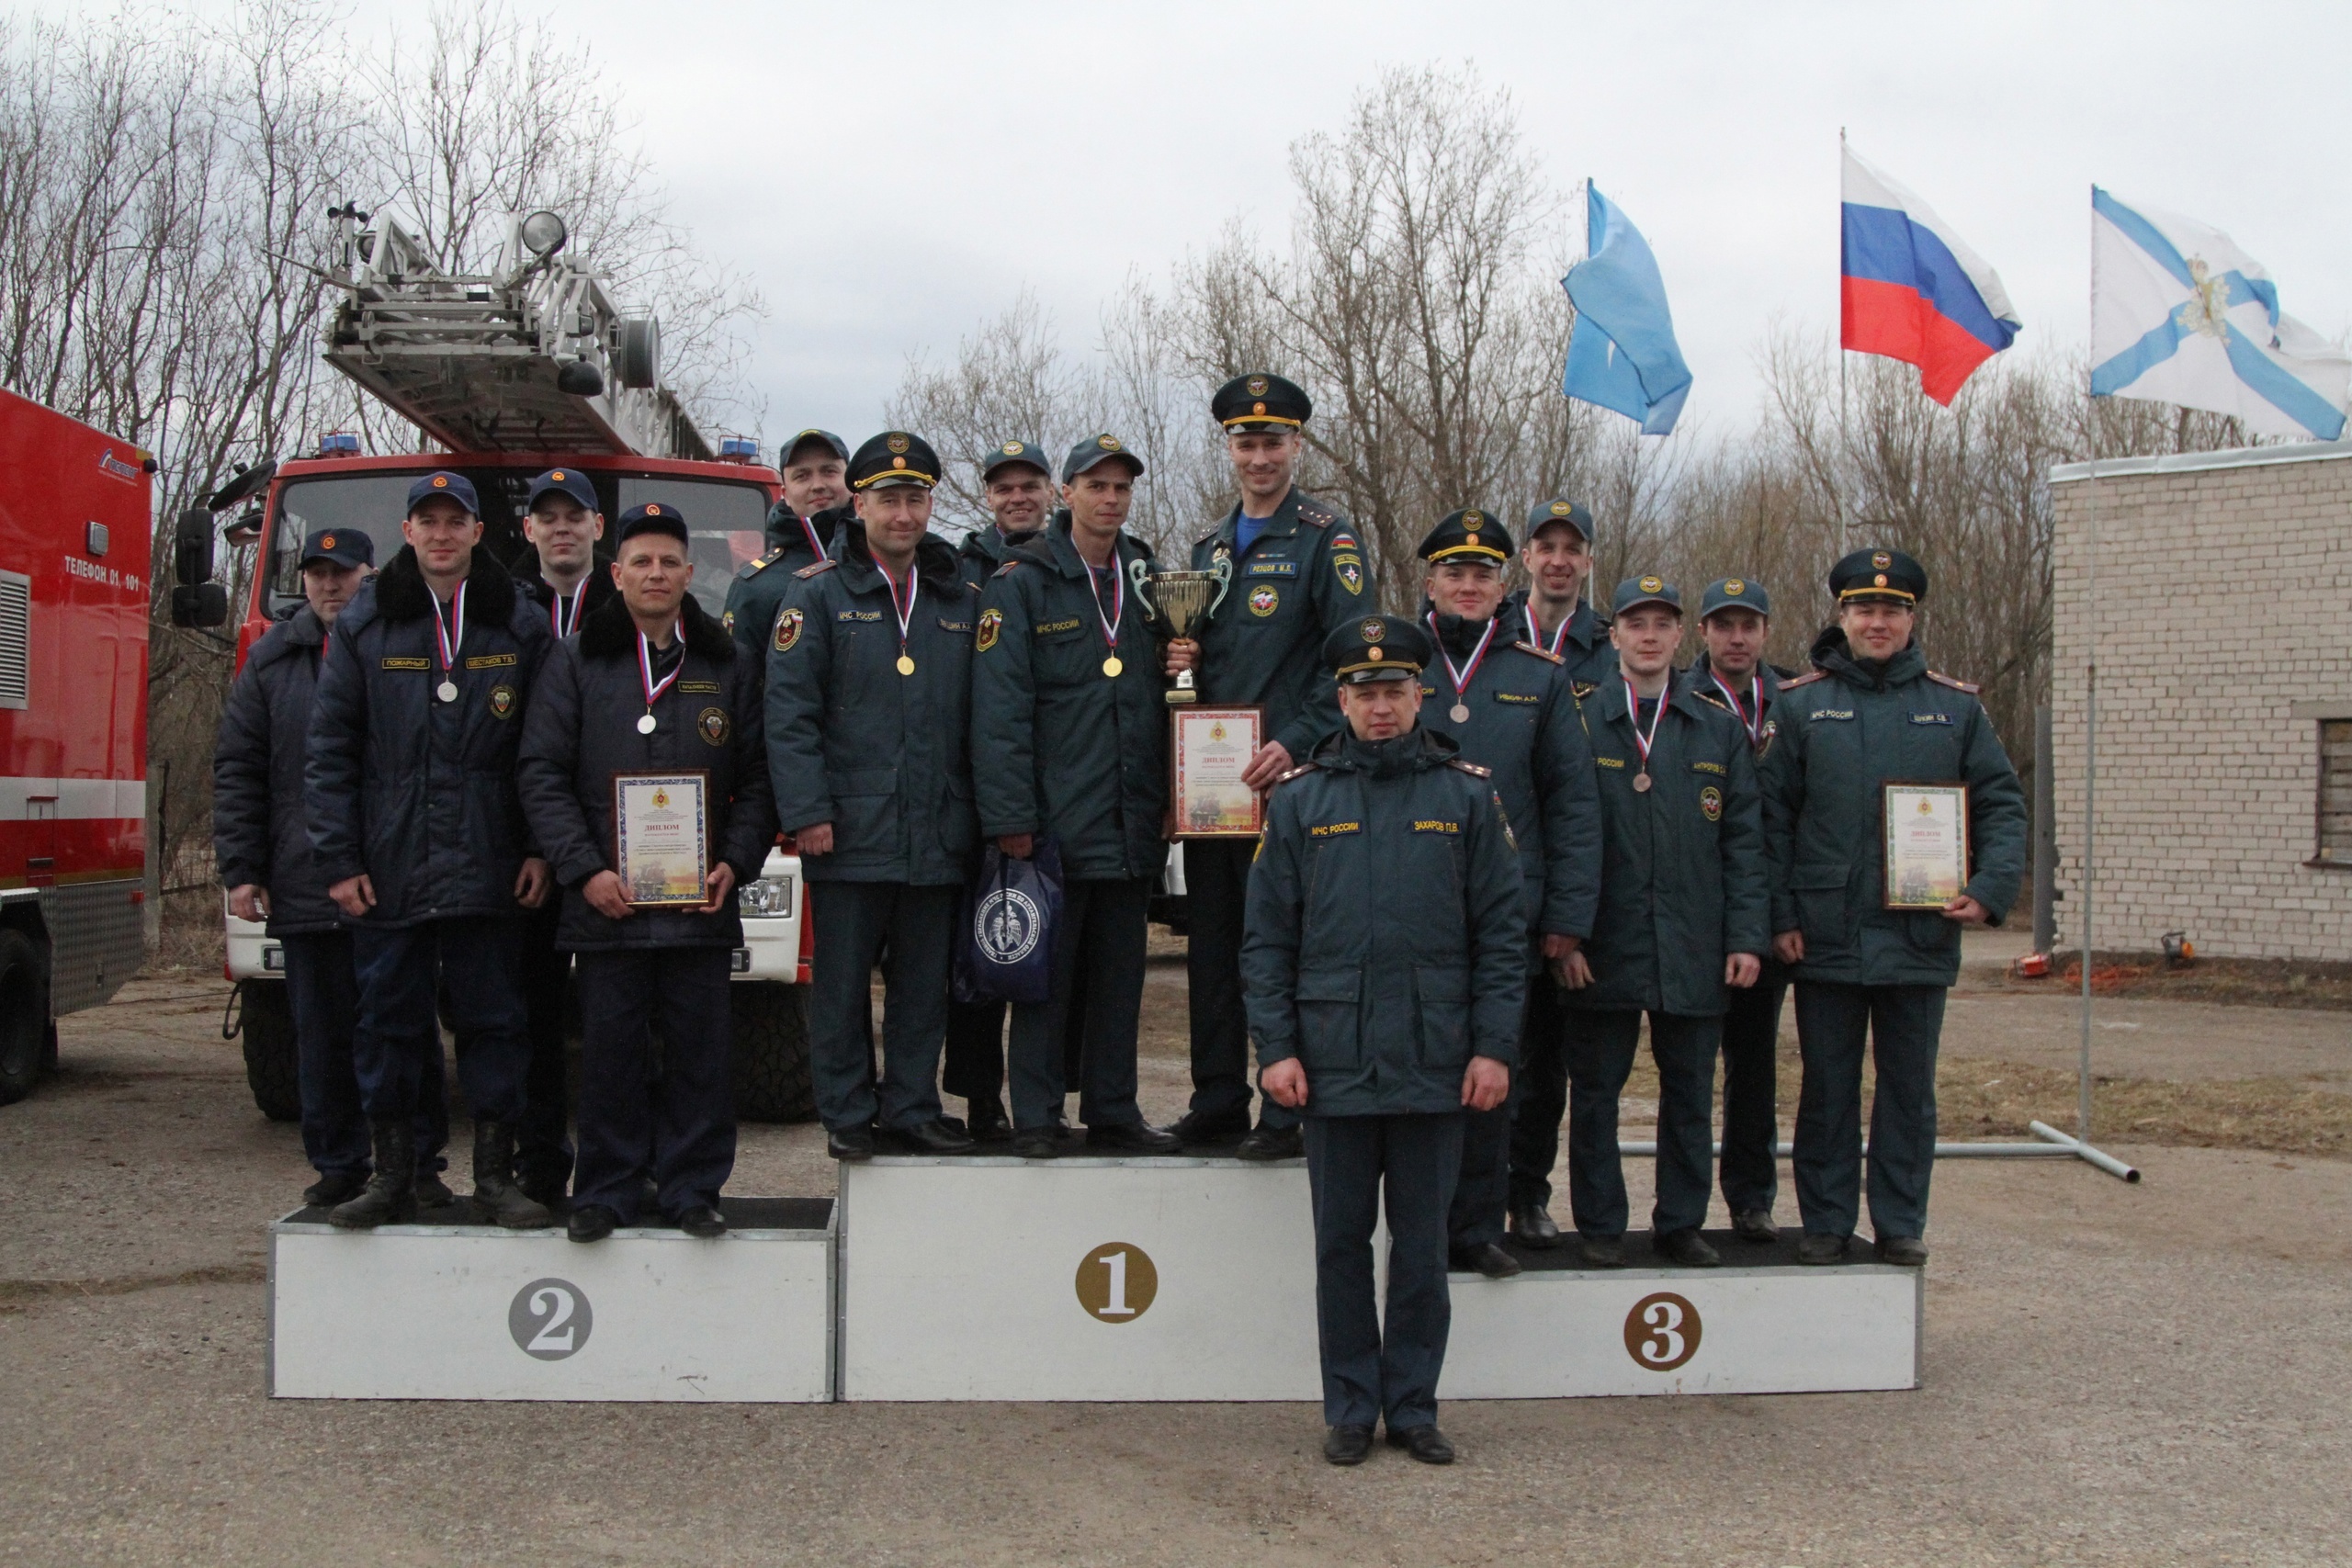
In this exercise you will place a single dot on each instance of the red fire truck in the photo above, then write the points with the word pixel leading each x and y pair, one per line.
pixel 74 515
pixel 526 369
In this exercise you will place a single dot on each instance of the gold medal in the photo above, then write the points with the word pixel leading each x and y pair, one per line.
pixel 1112 667
pixel 1641 783
pixel 906 664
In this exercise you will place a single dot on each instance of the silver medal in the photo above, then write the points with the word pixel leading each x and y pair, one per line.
pixel 645 725
pixel 447 690
pixel 1459 713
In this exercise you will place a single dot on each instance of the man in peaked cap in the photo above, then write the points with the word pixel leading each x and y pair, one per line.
pixel 1383 1018
pixel 800 529
pixel 1869 713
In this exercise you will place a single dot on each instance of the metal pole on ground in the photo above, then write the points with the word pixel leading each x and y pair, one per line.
pixel 2090 697
pixel 2045 832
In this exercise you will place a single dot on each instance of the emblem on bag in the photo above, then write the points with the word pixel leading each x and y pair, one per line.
pixel 1005 925
pixel 550 1319
pixel 713 724
pixel 502 700
pixel 1662 1332
pixel 1116 1282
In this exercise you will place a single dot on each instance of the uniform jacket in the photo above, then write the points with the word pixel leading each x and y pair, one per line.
pixel 1385 940
pixel 759 586
pixel 1843 731
pixel 1058 747
pixel 1525 731
pixel 1699 682
pixel 416 793
pixel 885 758
pixel 984 549
pixel 598 585
pixel 582 731
pixel 1683 878
pixel 258 834
pixel 1585 653
pixel 1304 576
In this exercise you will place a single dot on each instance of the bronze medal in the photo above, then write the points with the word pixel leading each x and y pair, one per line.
pixel 1641 783
pixel 1459 713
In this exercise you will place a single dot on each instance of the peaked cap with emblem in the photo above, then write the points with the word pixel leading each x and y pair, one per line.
pixel 1006 453
pixel 1096 450
pixel 894 458
pixel 1888 576
pixel 1376 648
pixel 344 547
pixel 442 482
pixel 1469 534
pixel 1652 590
pixel 1543 514
pixel 561 481
pixel 653 517
pixel 1261 401
pixel 1734 593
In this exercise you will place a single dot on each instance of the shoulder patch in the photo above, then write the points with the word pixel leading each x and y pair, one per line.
pixel 1299 772
pixel 817 568
pixel 1807 679
pixel 1473 769
pixel 1956 683
pixel 1526 647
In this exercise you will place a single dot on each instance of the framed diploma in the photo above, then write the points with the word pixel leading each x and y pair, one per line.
pixel 1925 828
pixel 1207 752
pixel 660 837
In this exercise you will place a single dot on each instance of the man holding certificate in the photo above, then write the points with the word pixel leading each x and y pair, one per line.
pixel 645 778
pixel 1069 740
pixel 1894 818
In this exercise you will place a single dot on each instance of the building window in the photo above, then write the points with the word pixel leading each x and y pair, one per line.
pixel 2335 793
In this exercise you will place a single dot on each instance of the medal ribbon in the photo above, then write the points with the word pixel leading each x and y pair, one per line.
pixel 1756 684
pixel 645 665
pixel 1118 601
pixel 1559 633
pixel 815 543
pixel 566 624
pixel 448 645
pixel 907 615
pixel 1634 716
pixel 1461 677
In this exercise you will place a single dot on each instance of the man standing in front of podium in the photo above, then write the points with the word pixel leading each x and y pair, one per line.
pixel 1386 963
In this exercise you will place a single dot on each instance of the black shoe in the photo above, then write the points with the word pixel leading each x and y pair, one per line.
pixel 851 1143
pixel 933 1137
pixel 1755 1224
pixel 331 1188
pixel 547 1187
pixel 1424 1443
pixel 591 1222
pixel 1196 1127
pixel 432 1192
pixel 1820 1249
pixel 1689 1248
pixel 702 1221
pixel 1533 1226
pixel 988 1123
pixel 1346 1445
pixel 1903 1251
pixel 389 1196
pixel 1485 1258
pixel 496 1198
pixel 1601 1251
pixel 1134 1138
pixel 1266 1144
pixel 1037 1142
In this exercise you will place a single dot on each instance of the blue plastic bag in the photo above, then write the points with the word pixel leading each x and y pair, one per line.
pixel 1011 913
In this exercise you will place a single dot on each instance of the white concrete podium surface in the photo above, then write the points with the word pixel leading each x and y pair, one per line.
pixel 466 1311
pixel 1762 1324
pixel 1076 1279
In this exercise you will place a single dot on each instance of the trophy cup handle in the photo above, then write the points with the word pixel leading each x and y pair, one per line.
pixel 1220 568
pixel 1140 577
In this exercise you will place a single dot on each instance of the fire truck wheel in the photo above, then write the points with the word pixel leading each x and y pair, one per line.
pixel 771 1082
pixel 271 1068
pixel 24 1016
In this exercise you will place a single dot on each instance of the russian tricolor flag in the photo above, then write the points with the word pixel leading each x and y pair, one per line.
pixel 1912 289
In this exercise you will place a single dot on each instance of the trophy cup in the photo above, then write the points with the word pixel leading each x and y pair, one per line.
pixel 1180 601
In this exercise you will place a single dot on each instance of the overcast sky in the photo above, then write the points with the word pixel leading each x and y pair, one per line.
pixel 892 174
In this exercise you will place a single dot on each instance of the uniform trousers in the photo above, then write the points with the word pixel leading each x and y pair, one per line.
pixel 1904 1024
pixel 1539 1093
pixel 1377 1365
pixel 1217 888
pixel 1600 1045
pixel 1748 1172
pixel 1490 1138
pixel 543 1142
pixel 475 963
pixel 323 992
pixel 678 1128
pixel 972 1066
pixel 1105 926
pixel 855 921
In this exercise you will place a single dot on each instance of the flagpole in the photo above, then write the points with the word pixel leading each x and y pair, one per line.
pixel 2090 693
pixel 1837 488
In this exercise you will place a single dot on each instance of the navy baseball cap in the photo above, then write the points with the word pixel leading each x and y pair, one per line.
pixel 1008 452
pixel 653 517
pixel 1543 514
pixel 344 547
pixel 838 447
pixel 570 481
pixel 1734 593
pixel 1096 450
pixel 1635 590
pixel 442 482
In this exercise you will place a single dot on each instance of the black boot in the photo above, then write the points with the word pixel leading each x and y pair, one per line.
pixel 389 1196
pixel 496 1198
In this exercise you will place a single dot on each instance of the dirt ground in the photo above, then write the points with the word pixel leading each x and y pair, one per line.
pixel 2126 1375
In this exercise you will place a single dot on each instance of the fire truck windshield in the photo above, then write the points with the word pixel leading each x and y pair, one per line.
pixel 727 520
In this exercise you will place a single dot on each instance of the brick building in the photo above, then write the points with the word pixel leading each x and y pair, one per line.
pixel 2224 621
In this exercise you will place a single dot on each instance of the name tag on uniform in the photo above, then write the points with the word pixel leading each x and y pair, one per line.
pixel 1517 697
pixel 1819 713
pixel 857 615
pixel 1611 762
pixel 408 664
pixel 490 661
pixel 1931 719
pixel 1049 628
pixel 1330 830
pixel 1711 768
pixel 947 625
pixel 1432 825
pixel 1274 569
pixel 698 685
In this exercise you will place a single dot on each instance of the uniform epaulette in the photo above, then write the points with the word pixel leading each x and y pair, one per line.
pixel 1526 647
pixel 1473 769
pixel 753 567
pixel 1316 515
pixel 1706 696
pixel 1299 772
pixel 1955 683
pixel 1006 570
pixel 815 567
pixel 1807 679
pixel 1583 689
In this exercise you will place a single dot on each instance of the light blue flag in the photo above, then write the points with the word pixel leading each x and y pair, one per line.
pixel 1621 353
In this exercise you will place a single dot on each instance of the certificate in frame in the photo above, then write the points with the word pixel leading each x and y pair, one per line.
pixel 660 838
pixel 1924 837
pixel 1208 749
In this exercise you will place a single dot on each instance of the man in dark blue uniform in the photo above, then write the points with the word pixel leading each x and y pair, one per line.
pixel 409 780
pixel 650 685
pixel 1297 574
pixel 1683 903
pixel 1071 741
pixel 1508 704
pixel 263 846
pixel 868 735
pixel 800 530
pixel 1551 607
pixel 1736 620
pixel 1869 713
pixel 1386 960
